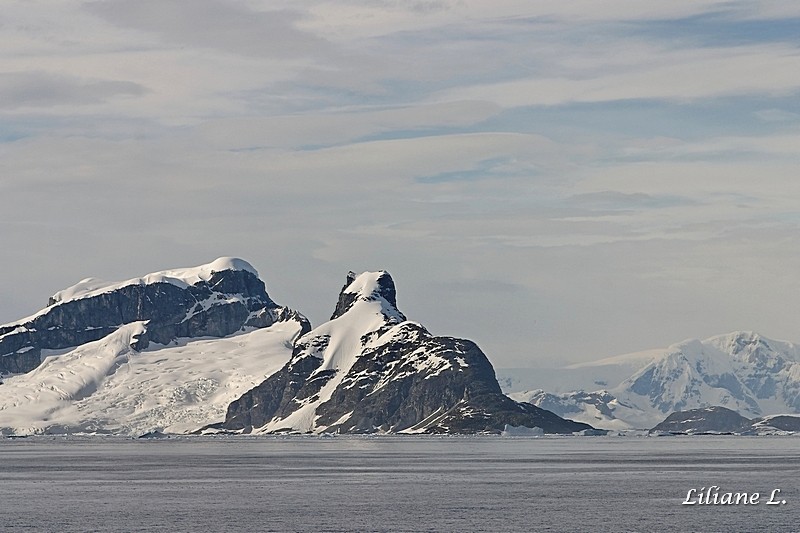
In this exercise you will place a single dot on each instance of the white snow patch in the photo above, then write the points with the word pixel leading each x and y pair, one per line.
pixel 343 419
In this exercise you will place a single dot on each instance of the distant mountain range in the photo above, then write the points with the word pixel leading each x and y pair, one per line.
pixel 742 371
pixel 206 348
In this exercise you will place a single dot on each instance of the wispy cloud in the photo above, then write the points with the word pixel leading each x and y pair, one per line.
pixel 615 200
pixel 42 89
pixel 342 126
pixel 221 25
pixel 669 75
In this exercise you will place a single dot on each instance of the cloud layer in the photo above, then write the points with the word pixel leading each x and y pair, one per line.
pixel 559 181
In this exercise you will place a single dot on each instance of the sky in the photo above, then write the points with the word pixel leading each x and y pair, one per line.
pixel 557 181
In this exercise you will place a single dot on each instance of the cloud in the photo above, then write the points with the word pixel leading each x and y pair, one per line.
pixel 320 129
pixel 43 89
pixel 226 26
pixel 776 115
pixel 593 168
pixel 373 167
pixel 369 18
pixel 764 146
pixel 666 75
pixel 704 178
pixel 616 200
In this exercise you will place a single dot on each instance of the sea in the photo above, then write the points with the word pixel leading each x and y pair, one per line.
pixel 421 483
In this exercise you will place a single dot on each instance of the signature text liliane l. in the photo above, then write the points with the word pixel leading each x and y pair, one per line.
pixel 713 496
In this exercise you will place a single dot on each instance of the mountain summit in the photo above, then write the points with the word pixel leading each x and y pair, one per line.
pixel 368 287
pixel 216 299
pixel 369 369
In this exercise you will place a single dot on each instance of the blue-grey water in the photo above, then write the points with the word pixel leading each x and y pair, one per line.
pixel 394 484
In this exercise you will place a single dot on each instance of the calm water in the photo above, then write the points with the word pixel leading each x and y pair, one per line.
pixel 394 484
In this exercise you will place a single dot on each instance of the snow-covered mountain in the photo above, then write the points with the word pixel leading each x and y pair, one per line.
pixel 742 371
pixel 216 299
pixel 168 351
pixel 180 350
pixel 370 370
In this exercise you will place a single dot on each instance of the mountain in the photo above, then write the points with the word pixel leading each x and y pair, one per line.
pixel 776 424
pixel 168 351
pixel 742 371
pixel 369 370
pixel 178 350
pixel 215 300
pixel 716 419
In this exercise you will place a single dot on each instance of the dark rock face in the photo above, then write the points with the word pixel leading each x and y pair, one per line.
pixel 402 379
pixel 219 306
pixel 708 419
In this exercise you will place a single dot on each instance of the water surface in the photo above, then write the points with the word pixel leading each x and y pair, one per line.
pixel 394 484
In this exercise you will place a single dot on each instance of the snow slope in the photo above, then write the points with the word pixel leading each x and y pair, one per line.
pixel 108 386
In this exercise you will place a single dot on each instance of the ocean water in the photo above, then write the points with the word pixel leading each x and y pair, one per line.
pixel 488 484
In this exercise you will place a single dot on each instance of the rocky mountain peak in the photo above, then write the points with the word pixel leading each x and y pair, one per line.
pixel 368 287
pixel 369 370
